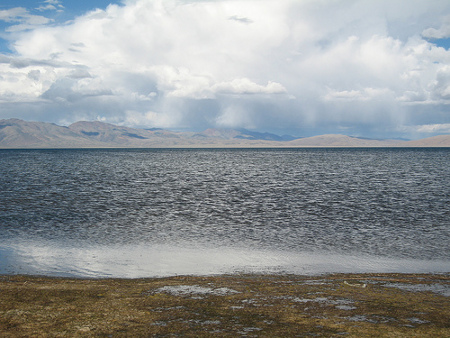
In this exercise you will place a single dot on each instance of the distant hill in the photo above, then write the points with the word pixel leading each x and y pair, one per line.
pixel 333 140
pixel 435 141
pixel 243 134
pixel 15 133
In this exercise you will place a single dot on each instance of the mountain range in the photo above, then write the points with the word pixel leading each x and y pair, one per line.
pixel 15 133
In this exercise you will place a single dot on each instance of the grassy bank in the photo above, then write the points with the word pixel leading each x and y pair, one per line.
pixel 356 305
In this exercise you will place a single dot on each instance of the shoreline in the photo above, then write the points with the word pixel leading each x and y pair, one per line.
pixel 325 275
pixel 349 304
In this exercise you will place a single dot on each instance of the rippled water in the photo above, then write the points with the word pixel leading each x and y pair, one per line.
pixel 133 213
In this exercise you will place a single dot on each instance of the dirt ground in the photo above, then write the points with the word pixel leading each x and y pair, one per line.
pixel 348 305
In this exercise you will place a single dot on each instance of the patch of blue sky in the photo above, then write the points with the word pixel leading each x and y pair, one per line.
pixel 4 42
pixel 79 6
pixel 7 4
pixel 4 46
pixel 444 43
pixel 73 9
pixel 61 9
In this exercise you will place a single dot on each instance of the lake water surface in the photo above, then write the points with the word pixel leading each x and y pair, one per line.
pixel 146 213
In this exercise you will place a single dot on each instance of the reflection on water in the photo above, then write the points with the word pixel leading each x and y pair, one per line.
pixel 134 213
pixel 133 261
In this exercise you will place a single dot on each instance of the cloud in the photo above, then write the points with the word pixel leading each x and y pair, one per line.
pixel 301 67
pixel 358 95
pixel 434 128
pixel 441 86
pixel 240 19
pixel 51 5
pixel 440 33
pixel 34 74
pixel 23 18
pixel 180 82
pixel 149 118
pixel 75 90
pixel 235 116
pixel 246 86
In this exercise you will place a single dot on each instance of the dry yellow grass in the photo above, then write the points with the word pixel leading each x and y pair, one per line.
pixel 356 305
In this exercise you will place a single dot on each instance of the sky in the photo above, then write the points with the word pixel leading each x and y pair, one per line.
pixel 367 68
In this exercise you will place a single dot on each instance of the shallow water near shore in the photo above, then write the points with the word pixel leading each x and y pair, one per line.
pixel 162 261
pixel 151 213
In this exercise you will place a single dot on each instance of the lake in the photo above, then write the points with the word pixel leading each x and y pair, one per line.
pixel 162 212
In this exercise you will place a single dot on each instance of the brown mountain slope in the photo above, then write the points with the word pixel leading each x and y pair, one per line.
pixel 15 133
pixel 109 133
pixel 435 141
pixel 333 140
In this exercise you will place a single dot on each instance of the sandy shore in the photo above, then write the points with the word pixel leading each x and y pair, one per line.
pixel 349 305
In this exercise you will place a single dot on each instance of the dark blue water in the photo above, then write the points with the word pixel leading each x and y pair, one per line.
pixel 161 212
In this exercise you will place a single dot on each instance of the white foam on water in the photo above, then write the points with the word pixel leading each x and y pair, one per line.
pixel 134 261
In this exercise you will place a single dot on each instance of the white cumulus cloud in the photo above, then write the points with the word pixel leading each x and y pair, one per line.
pixel 22 19
pixel 433 128
pixel 246 86
pixel 290 66
pixel 438 33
